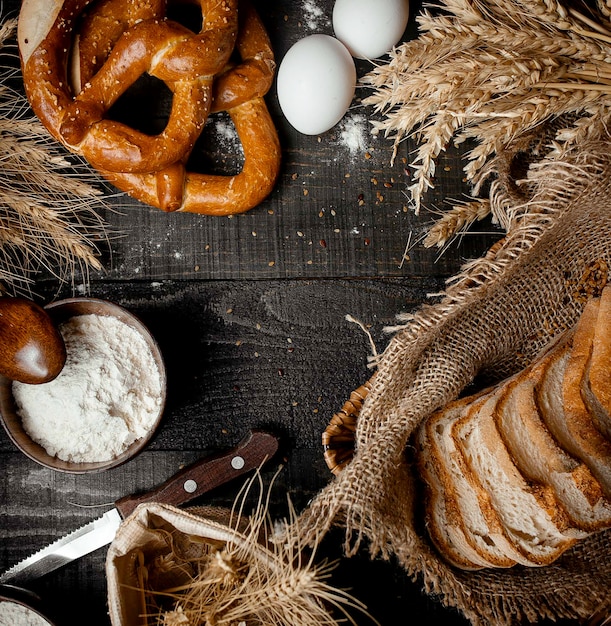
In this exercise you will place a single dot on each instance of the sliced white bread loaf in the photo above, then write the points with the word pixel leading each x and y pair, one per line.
pixel 563 408
pixel 520 472
pixel 443 522
pixel 596 384
pixel 530 513
pixel 539 457
pixel 481 525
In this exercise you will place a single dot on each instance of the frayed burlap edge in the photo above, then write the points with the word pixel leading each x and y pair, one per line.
pixel 496 315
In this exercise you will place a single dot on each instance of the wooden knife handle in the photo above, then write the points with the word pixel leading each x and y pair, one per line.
pixel 208 473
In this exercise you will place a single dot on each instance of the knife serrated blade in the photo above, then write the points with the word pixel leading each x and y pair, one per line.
pixel 85 539
pixel 186 485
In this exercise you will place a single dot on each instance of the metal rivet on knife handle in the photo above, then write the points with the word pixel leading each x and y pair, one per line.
pixel 190 486
pixel 237 462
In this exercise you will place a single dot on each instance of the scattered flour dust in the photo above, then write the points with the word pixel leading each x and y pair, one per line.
pixel 107 396
pixel 15 614
pixel 314 16
pixel 354 133
pixel 227 135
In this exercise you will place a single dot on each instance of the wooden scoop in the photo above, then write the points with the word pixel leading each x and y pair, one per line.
pixel 31 347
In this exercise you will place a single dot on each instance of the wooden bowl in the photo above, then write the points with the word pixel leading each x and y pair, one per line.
pixel 26 600
pixel 61 311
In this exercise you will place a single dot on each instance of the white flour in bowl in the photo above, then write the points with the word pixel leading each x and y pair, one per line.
pixel 14 614
pixel 107 396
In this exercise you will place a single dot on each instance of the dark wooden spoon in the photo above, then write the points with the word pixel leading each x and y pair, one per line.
pixel 31 347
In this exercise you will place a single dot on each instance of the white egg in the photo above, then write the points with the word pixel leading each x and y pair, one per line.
pixel 370 28
pixel 316 83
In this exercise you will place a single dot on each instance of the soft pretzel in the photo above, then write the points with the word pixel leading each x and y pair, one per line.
pixel 216 194
pixel 186 61
pixel 253 77
pixel 110 54
pixel 239 90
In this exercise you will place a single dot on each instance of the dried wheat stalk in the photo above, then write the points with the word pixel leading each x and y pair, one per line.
pixel 49 207
pixel 495 73
pixel 456 221
pixel 243 583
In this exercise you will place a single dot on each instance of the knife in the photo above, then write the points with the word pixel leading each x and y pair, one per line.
pixel 189 483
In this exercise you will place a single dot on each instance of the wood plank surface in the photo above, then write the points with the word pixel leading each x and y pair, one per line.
pixel 335 212
pixel 250 315
pixel 239 355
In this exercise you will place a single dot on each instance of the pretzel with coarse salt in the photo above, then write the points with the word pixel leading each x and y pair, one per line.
pixel 185 61
pixel 100 26
pixel 167 185
pixel 239 90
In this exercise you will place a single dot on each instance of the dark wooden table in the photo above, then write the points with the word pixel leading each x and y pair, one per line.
pixel 250 314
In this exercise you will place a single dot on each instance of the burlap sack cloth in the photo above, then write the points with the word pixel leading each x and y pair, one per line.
pixel 493 320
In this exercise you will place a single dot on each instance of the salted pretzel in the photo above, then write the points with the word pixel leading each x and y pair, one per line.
pixel 185 61
pixel 239 90
pixel 137 38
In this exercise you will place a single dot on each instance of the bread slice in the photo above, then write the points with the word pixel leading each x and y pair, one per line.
pixel 539 457
pixel 562 406
pixel 483 528
pixel 519 473
pixel 444 525
pixel 529 512
pixel 596 383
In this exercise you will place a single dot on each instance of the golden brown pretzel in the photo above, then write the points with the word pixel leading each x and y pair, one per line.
pixel 100 27
pixel 159 179
pixel 175 189
pixel 239 90
pixel 186 61
pixel 253 77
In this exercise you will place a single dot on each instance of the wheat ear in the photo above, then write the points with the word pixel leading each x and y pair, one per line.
pixel 456 221
pixel 51 204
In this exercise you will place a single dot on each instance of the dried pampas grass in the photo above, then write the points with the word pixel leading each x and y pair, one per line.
pixel 49 207
pixel 263 576
pixel 518 79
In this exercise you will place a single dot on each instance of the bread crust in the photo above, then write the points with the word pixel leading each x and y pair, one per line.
pixel 35 24
pixel 483 528
pixel 444 523
pixel 596 383
pixel 587 442
pixel 529 512
pixel 539 456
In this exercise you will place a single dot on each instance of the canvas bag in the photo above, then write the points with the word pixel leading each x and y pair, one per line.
pixel 145 532
pixel 211 565
pixel 492 321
